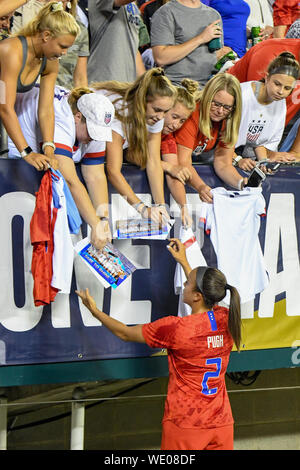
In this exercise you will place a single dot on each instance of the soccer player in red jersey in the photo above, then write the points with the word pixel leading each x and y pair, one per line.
pixel 197 412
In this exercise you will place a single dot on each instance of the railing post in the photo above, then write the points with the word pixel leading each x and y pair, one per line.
pixel 77 421
pixel 3 423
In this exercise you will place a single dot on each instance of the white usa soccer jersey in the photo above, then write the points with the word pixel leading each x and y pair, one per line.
pixel 195 259
pixel 233 222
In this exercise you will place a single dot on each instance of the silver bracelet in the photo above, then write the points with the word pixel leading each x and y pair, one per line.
pixel 236 160
pixel 48 144
pixel 143 210
pixel 241 184
pixel 137 205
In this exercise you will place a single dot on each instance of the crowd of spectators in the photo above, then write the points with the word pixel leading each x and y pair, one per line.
pixel 119 43
pixel 159 84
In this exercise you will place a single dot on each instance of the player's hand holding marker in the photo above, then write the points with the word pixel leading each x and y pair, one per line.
pixel 177 250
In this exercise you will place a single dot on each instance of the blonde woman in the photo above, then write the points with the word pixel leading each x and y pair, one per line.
pixel 32 54
pixel 214 125
pixel 73 65
pixel 140 110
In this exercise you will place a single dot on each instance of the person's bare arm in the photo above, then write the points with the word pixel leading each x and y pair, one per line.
pixel 45 105
pixel 8 6
pixel 80 77
pixel 176 177
pixel 119 329
pixel 178 251
pixel 279 32
pixel 224 168
pixel 295 149
pixel 83 201
pixel 95 179
pixel 154 169
pixel 10 64
pixel 185 159
pixel 288 157
pixel 114 162
pixel 165 55
pixel 139 64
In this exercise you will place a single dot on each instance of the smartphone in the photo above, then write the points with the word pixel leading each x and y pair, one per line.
pixel 273 166
pixel 256 178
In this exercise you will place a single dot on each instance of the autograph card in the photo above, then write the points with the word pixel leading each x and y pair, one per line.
pixel 141 228
pixel 109 265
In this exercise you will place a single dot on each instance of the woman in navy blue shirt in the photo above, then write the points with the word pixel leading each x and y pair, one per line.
pixel 234 15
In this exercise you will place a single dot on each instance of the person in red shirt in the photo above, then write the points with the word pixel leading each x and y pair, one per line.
pixel 285 12
pixel 214 125
pixel 177 175
pixel 197 413
pixel 254 64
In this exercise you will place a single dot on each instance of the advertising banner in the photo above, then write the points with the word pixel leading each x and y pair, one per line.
pixel 65 330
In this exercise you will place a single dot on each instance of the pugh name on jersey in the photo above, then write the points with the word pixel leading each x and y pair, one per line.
pixel 215 341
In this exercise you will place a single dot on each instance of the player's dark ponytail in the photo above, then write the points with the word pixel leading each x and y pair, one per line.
pixel 212 284
pixel 234 319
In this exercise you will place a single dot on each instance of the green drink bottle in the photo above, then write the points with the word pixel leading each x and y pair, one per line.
pixel 255 32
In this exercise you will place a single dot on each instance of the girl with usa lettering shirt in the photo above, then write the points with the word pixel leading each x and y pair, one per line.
pixel 264 113
pixel 197 413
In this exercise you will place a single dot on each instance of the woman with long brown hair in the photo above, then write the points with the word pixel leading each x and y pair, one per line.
pixel 140 110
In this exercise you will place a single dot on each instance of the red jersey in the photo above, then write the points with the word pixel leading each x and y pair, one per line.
pixel 168 144
pixel 285 12
pixel 41 235
pixel 198 347
pixel 191 137
pixel 253 66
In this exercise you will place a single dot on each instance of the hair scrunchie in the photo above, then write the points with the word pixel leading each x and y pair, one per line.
pixel 158 72
pixel 58 6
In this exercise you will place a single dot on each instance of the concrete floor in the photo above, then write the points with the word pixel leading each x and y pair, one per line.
pixel 126 414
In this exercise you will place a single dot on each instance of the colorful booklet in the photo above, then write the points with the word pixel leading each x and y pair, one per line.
pixel 109 265
pixel 141 228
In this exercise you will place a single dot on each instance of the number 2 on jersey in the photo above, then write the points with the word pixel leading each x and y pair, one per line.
pixel 205 389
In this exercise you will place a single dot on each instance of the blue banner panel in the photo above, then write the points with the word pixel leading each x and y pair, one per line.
pixel 65 331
